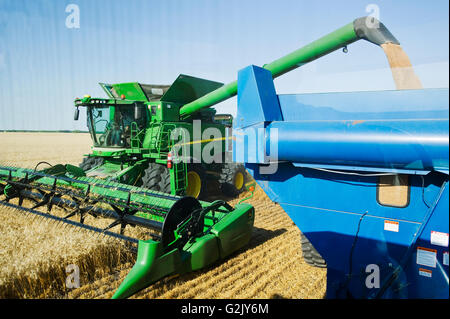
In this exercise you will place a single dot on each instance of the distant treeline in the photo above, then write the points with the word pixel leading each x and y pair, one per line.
pixel 44 131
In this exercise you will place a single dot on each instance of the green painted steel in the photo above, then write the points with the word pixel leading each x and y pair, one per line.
pixel 230 233
pixel 187 88
pixel 323 46
pixel 130 91
pixel 60 176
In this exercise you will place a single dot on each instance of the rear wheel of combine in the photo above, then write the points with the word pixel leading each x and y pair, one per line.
pixel 195 181
pixel 90 162
pixel 310 254
pixel 232 179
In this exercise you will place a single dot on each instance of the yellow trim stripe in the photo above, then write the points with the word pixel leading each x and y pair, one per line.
pixel 208 140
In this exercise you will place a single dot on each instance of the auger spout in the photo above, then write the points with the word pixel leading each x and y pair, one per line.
pixel 367 28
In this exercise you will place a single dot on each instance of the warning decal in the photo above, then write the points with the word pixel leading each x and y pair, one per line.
pixel 425 272
pixel 438 238
pixel 390 225
pixel 426 257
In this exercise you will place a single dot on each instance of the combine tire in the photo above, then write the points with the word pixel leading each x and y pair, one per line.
pixel 156 177
pixel 164 184
pixel 310 254
pixel 90 162
pixel 232 179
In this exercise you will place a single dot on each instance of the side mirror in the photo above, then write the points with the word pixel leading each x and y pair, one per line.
pixel 77 114
pixel 137 112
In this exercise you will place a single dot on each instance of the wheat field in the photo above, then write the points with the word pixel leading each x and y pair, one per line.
pixel 34 252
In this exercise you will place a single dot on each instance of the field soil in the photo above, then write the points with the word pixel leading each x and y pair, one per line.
pixel 35 253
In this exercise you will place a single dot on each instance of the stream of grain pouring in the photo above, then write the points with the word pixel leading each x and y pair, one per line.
pixel 402 71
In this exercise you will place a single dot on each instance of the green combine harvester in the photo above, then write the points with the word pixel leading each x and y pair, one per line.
pixel 139 175
pixel 140 138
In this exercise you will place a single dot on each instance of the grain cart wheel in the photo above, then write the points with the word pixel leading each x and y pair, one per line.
pixel 90 162
pixel 310 254
pixel 232 179
pixel 195 181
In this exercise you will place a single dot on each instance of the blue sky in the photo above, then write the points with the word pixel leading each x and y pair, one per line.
pixel 44 65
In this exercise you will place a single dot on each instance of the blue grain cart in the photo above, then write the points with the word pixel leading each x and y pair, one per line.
pixel 364 175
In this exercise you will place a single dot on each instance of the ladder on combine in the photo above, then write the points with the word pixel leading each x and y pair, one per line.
pixel 179 172
pixel 135 136
pixel 163 145
pixel 180 177
pixel 160 138
pixel 180 169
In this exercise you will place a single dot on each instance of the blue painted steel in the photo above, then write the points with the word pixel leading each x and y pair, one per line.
pixel 419 144
pixel 327 180
pixel 261 95
pixel 366 105
pixel 437 222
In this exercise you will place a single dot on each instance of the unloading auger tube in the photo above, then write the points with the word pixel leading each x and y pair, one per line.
pixel 367 28
pixel 183 234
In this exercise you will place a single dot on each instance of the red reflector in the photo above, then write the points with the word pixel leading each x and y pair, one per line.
pixel 122 96
pixel 169 160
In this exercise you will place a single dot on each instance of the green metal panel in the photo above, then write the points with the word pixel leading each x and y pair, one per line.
pixel 108 152
pixel 170 111
pixel 203 252
pixel 150 266
pixel 153 264
pixel 187 88
pixel 164 111
pixel 234 230
pixel 132 91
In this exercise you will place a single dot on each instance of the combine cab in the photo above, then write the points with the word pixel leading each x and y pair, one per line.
pixel 139 138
